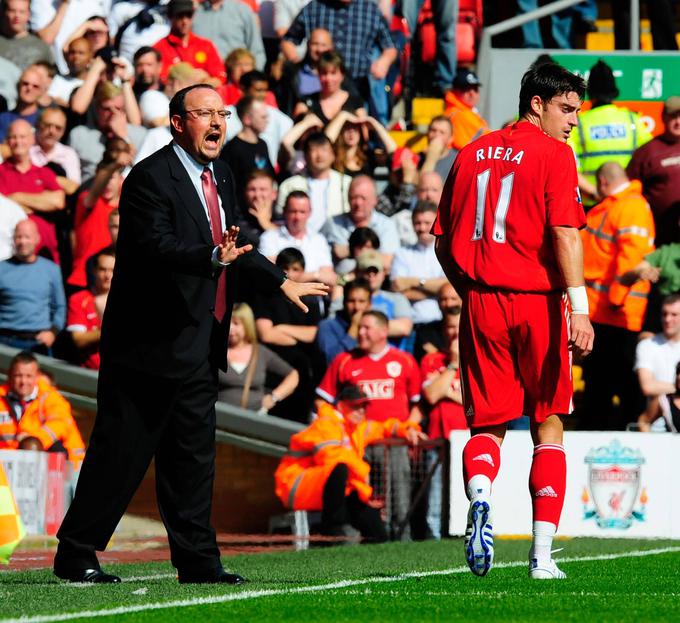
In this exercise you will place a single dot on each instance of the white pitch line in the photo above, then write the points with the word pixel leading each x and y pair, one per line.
pixel 243 595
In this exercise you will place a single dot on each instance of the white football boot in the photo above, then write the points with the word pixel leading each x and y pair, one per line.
pixel 545 570
pixel 479 537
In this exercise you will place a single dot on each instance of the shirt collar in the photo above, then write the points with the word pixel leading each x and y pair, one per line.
pixel 193 166
pixel 380 355
pixel 176 41
pixel 30 398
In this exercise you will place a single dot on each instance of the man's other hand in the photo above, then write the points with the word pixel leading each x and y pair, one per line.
pixel 294 291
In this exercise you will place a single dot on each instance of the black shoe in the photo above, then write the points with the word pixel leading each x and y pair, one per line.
pixel 221 577
pixel 90 576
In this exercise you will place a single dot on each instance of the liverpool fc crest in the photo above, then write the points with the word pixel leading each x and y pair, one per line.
pixel 615 497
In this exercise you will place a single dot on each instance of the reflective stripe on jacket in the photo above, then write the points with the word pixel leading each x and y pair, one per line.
pixel 47 418
pixel 314 452
pixel 619 233
pixel 604 134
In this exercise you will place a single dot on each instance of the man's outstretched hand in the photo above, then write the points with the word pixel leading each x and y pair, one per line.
pixel 294 291
pixel 228 251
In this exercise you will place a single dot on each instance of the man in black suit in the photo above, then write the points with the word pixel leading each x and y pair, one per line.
pixel 163 338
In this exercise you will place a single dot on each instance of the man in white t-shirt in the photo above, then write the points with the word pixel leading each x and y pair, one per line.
pixel 294 233
pixel 657 356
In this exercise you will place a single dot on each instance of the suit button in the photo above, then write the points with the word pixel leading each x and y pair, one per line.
pixel 212 310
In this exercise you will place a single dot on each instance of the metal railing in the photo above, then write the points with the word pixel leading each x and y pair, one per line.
pixel 264 434
pixel 484 55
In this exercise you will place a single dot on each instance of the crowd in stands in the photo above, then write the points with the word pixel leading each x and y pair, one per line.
pixel 323 190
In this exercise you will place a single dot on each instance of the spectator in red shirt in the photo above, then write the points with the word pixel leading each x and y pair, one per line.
pixel 35 189
pixel 85 311
pixel 391 379
pixel 444 400
pixel 91 223
pixel 183 45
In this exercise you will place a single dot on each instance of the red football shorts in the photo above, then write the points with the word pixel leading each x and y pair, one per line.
pixel 514 356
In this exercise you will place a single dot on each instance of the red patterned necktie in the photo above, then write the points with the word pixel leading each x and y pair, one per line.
pixel 210 194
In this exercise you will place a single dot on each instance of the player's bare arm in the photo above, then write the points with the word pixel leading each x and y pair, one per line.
pixel 442 249
pixel 569 253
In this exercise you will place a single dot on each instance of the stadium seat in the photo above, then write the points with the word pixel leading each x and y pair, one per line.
pixel 603 39
pixel 424 109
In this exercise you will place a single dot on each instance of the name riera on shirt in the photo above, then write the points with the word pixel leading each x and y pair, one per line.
pixel 500 153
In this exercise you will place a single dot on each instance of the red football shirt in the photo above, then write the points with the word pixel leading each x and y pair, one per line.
pixel 82 316
pixel 390 379
pixel 505 190
pixel 446 415
pixel 198 52
pixel 91 228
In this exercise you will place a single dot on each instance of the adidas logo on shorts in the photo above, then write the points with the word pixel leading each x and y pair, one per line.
pixel 546 492
pixel 484 457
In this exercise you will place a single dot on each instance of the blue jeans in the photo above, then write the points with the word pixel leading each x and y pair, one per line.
pixel 445 14
pixel 433 518
pixel 560 29
pixel 23 344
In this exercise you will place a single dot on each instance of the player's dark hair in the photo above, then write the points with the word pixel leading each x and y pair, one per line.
pixel 360 236
pixel 289 256
pixel 356 284
pixel 547 81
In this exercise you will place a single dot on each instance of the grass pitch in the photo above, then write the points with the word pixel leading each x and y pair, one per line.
pixel 609 580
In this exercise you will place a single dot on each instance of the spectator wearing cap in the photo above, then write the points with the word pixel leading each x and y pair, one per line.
pixel 657 165
pixel 394 305
pixel 461 108
pixel 325 469
pixel 294 233
pixel 17 44
pixel 605 133
pixel 356 44
pixel 438 155
pixel 327 189
pixel 363 199
pixel 230 24
pixel 416 272
pixel 181 44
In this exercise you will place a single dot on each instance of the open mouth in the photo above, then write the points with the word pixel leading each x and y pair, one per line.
pixel 213 139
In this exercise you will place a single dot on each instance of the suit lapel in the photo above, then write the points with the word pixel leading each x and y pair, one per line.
pixel 186 191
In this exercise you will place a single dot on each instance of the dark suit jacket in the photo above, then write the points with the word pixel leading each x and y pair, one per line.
pixel 158 317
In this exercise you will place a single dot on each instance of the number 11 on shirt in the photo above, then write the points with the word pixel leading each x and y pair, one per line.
pixel 502 205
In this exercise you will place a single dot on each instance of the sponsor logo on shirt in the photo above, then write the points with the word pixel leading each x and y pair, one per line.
pixel 378 389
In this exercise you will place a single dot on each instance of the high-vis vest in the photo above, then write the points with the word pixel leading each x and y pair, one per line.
pixel 47 418
pixel 467 124
pixel 606 134
pixel 314 452
pixel 11 527
pixel 618 234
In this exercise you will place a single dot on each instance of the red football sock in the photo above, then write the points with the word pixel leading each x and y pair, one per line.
pixel 548 482
pixel 481 457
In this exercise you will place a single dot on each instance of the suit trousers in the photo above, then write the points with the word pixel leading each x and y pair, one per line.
pixel 141 417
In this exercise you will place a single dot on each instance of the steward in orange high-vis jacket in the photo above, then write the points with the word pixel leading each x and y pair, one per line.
pixel 32 408
pixel 324 467
pixel 619 233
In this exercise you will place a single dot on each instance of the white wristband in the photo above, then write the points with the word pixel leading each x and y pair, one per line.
pixel 578 298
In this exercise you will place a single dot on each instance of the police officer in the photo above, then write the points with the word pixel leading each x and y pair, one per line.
pixel 606 133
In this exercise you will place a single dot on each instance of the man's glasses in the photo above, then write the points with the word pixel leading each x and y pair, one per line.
pixel 205 114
